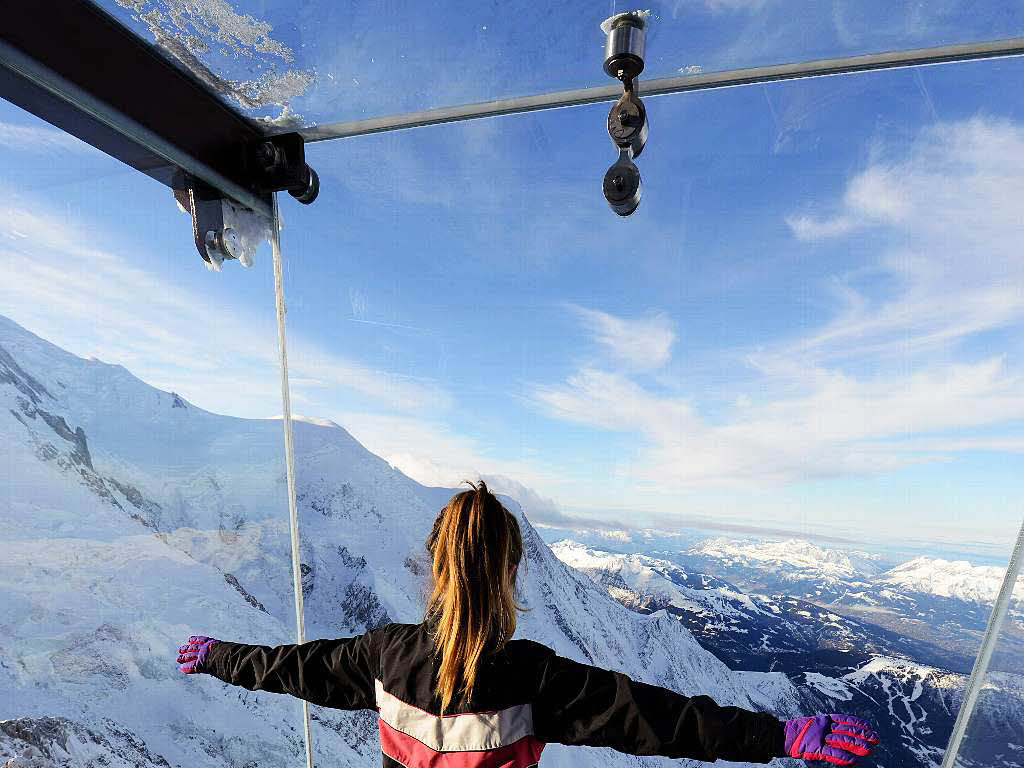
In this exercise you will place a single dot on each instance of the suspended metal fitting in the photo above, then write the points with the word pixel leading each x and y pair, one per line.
pixel 627 120
pixel 624 49
pixel 223 229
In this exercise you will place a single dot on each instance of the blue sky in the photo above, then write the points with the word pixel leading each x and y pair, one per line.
pixel 813 321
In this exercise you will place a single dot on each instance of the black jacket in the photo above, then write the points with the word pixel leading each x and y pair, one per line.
pixel 525 697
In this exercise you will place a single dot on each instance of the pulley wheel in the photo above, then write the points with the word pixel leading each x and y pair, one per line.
pixel 627 124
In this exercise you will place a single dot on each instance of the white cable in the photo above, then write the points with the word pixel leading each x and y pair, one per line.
pixel 289 455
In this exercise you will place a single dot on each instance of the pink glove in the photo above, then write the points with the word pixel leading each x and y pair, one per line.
pixel 192 655
pixel 837 739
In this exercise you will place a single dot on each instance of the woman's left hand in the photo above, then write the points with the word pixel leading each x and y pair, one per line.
pixel 193 653
pixel 837 739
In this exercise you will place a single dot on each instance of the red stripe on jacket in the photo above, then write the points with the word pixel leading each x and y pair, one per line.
pixel 415 754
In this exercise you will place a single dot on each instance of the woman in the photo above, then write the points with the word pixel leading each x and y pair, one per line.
pixel 457 690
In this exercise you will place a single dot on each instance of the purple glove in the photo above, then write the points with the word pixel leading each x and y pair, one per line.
pixel 192 655
pixel 838 739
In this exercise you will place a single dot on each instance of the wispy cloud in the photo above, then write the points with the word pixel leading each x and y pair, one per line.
pixel 219 354
pixel 38 139
pixel 644 342
pixel 946 207
pixel 808 228
pixel 883 384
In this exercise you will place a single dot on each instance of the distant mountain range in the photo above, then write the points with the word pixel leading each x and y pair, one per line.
pixel 746 630
pixel 942 604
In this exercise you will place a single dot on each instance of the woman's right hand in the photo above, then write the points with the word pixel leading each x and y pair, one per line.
pixel 193 653
pixel 837 739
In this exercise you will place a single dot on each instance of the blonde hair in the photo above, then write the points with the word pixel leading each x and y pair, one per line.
pixel 476 546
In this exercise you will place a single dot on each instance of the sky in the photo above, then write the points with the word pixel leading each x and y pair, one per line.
pixel 813 322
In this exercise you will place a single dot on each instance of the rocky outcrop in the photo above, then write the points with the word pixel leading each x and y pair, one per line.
pixel 56 742
pixel 230 579
pixel 12 373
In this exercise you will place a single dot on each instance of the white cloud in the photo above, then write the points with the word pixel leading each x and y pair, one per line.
pixel 877 195
pixel 887 380
pixel 40 139
pixel 843 425
pixel 808 228
pixel 644 342
pixel 948 207
pixel 222 357
pixel 614 401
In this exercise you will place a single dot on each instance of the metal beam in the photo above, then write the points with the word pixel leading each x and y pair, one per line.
pixel 873 61
pixel 75 66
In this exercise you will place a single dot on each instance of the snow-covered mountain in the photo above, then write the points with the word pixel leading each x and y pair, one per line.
pixel 793 559
pixel 951 578
pixel 133 518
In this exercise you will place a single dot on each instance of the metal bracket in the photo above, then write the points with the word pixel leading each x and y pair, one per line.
pixel 278 163
pixel 222 229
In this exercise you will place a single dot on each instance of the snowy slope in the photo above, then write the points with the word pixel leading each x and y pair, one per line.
pixel 915 706
pixel 951 578
pixel 136 518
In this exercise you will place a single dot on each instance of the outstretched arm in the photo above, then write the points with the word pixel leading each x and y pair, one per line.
pixel 581 704
pixel 333 673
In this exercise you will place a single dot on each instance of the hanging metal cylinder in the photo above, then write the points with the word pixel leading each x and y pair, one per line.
pixel 624 48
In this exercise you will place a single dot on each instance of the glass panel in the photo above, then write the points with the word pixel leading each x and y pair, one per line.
pixel 320 62
pixel 142 485
pixel 778 411
pixel 995 731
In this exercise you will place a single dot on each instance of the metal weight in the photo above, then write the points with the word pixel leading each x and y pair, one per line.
pixel 622 186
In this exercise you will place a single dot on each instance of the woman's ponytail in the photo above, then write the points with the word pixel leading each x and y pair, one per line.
pixel 476 547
